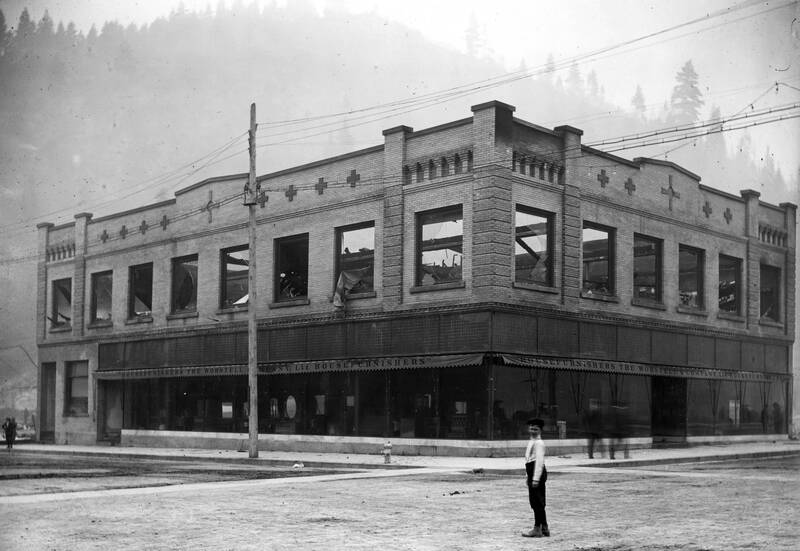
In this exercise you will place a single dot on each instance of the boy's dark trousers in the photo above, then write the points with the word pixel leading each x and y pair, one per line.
pixel 537 495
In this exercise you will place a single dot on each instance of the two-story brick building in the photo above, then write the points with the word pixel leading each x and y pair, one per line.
pixel 490 269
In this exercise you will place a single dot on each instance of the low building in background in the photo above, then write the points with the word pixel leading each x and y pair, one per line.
pixel 442 287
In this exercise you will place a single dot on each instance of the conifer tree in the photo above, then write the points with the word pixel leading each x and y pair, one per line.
pixel 638 101
pixel 687 99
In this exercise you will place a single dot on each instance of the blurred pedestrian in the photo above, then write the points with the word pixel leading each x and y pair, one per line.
pixel 536 476
pixel 619 430
pixel 594 426
pixel 10 431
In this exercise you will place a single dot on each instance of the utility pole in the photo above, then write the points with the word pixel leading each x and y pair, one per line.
pixel 250 197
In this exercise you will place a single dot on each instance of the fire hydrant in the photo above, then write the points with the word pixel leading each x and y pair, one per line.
pixel 387 452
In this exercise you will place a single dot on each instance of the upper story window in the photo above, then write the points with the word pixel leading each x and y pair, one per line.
pixel 691 265
pixel 598 259
pixel 101 297
pixel 440 251
pixel 291 267
pixel 730 277
pixel 533 246
pixel 355 258
pixel 184 284
pixel 770 292
pixel 235 268
pixel 76 388
pixel 61 312
pixel 140 290
pixel 647 277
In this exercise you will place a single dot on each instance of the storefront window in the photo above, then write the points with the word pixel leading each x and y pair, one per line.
pixel 76 388
pixel 440 252
pixel 235 272
pixel 533 244
pixel 736 407
pixel 730 274
pixel 647 275
pixel 291 268
pixel 690 276
pixel 140 290
pixel 598 259
pixel 101 297
pixel 184 284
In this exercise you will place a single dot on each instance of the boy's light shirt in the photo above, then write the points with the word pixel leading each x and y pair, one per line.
pixel 535 452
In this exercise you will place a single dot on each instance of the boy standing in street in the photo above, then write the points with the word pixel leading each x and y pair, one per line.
pixel 536 477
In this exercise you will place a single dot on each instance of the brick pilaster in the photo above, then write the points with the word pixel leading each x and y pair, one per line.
pixel 571 224
pixel 493 213
pixel 752 269
pixel 41 280
pixel 790 213
pixel 79 279
pixel 394 155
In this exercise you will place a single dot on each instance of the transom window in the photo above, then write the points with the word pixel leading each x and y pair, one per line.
pixel 355 258
pixel 440 251
pixel 533 246
pixel 235 266
pixel 291 268
pixel 76 388
pixel 184 284
pixel 691 265
pixel 647 275
pixel 101 297
pixel 61 313
pixel 140 290
pixel 770 292
pixel 730 274
pixel 598 259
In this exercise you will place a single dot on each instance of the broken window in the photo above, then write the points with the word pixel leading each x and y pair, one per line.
pixel 691 263
pixel 730 275
pixel 440 251
pixel 533 244
pixel 355 258
pixel 140 290
pixel 76 388
pixel 646 268
pixel 598 259
pixel 184 284
pixel 770 292
pixel 101 297
pixel 235 273
pixel 61 313
pixel 291 267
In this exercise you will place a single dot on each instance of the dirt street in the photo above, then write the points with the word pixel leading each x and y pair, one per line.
pixel 743 504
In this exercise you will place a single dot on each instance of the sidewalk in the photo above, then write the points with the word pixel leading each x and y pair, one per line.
pixel 638 457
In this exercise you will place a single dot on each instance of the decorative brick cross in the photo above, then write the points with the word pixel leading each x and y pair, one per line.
pixel 123 232
pixel 290 193
pixel 671 192
pixel 320 186
pixel 164 222
pixel 262 199
pixel 602 178
pixel 104 236
pixel 143 227
pixel 354 178
pixel 210 205
pixel 707 209
pixel 728 215
pixel 630 186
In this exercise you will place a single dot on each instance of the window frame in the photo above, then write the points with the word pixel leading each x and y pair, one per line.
pixel 95 277
pixel 174 309
pixel 54 305
pixel 278 244
pixel 700 278
pixel 611 262
pixel 76 406
pixel 338 242
pixel 659 270
pixel 132 314
pixel 738 289
pixel 418 228
pixel 223 277
pixel 550 219
pixel 776 270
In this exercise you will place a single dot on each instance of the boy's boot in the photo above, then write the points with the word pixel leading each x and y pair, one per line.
pixel 545 531
pixel 535 533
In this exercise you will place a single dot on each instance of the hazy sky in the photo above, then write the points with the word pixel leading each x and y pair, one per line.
pixel 738 55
